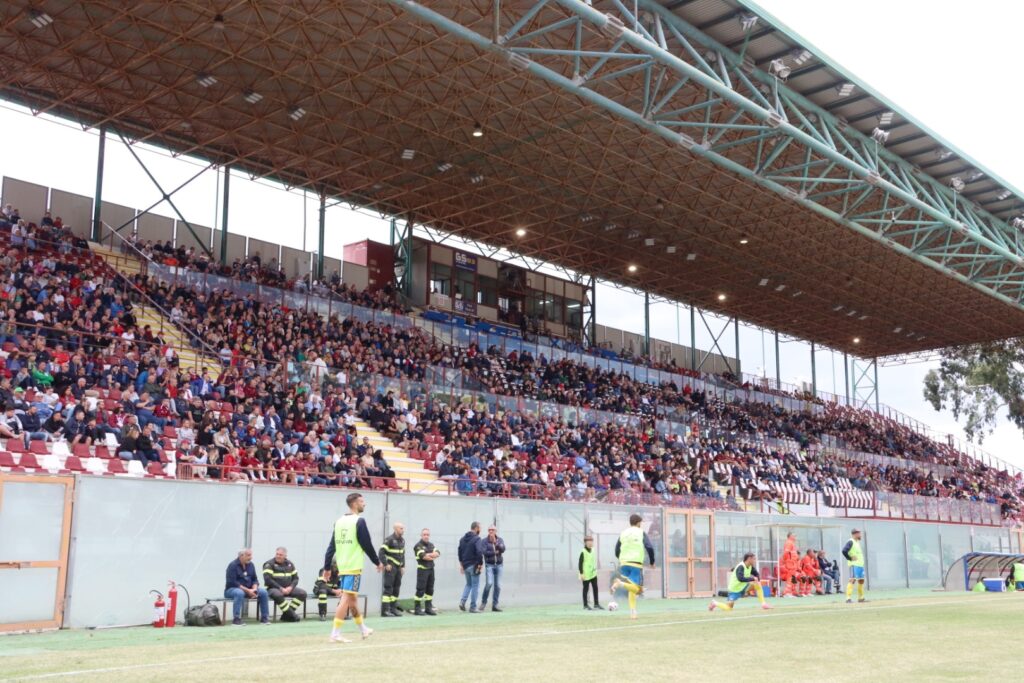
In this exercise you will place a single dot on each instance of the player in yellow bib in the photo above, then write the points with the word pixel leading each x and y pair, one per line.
pixel 349 542
pixel 743 577
pixel 854 555
pixel 630 549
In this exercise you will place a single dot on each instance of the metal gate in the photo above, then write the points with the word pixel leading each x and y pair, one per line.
pixel 35 528
pixel 689 553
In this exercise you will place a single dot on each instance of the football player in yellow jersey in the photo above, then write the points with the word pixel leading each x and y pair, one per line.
pixel 349 542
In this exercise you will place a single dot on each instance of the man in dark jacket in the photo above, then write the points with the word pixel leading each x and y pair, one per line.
pixel 240 584
pixel 470 562
pixel 282 581
pixel 492 548
pixel 829 573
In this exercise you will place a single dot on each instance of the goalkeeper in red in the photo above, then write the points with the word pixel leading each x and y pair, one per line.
pixel 630 550
pixel 742 578
pixel 349 542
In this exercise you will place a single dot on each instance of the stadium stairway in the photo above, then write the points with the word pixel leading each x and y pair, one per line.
pixel 421 480
pixel 190 358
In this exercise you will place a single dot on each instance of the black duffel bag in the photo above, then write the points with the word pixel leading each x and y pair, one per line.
pixel 203 615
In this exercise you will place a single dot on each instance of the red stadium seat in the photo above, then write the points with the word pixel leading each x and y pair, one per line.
pixel 72 464
pixel 7 462
pixel 30 463
pixel 154 469
pixel 38 447
pixel 115 466
pixel 81 450
pixel 101 452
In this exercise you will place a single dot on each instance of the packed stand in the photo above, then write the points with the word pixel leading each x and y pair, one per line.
pixel 72 340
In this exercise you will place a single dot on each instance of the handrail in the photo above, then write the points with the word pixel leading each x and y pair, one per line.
pixel 198 342
pixel 44 246
pixel 72 334
pixel 310 302
pixel 526 490
pixel 188 470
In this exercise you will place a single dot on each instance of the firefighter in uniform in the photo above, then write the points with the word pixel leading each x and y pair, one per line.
pixel 425 555
pixel 326 586
pixel 282 581
pixel 392 554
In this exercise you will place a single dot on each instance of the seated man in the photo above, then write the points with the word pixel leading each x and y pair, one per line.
pixel 282 580
pixel 829 573
pixel 241 584
pixel 811 571
pixel 327 586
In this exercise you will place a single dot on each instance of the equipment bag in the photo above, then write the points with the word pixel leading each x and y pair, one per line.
pixel 203 615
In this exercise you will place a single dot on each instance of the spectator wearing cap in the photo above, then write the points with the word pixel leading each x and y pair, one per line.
pixel 492 549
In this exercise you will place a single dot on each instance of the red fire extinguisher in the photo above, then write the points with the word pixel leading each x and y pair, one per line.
pixel 159 610
pixel 172 603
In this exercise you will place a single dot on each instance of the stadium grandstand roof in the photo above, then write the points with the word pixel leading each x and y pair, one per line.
pixel 701 141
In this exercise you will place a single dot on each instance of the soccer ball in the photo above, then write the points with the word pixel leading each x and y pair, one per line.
pixel 612 606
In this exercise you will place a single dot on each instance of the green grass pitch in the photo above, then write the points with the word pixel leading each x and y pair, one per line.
pixel 898 636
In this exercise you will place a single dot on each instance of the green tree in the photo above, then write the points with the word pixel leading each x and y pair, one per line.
pixel 976 382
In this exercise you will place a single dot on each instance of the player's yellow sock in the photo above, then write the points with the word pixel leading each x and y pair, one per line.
pixel 849 590
pixel 358 620
pixel 759 591
pixel 337 626
pixel 860 590
pixel 724 605
pixel 632 597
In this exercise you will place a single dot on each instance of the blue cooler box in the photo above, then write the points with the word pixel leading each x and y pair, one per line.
pixel 994 585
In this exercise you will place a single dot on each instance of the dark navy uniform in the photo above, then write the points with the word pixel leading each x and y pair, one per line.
pixel 392 554
pixel 424 578
pixel 279 576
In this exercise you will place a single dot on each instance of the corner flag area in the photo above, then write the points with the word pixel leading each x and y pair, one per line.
pixel 894 637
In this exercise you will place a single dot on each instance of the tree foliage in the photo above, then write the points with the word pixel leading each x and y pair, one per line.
pixel 976 382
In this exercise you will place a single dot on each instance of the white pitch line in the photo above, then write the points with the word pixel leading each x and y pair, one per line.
pixel 473 639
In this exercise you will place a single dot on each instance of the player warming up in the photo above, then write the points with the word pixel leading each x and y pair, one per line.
pixel 741 579
pixel 350 540
pixel 855 558
pixel 630 552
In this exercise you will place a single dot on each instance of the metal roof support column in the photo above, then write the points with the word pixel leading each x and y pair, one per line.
pixel 874 362
pixel 693 338
pixel 814 372
pixel 778 364
pixel 846 376
pixel 320 243
pixel 224 216
pixel 401 243
pixel 101 154
pixel 647 324
pixel 736 323
pixel 593 311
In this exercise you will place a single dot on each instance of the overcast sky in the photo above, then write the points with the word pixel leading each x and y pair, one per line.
pixel 953 70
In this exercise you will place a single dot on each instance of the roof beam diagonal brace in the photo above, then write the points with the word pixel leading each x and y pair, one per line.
pixel 821 133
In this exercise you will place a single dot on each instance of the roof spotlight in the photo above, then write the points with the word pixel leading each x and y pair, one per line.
pixel 880 136
pixel 39 19
pixel 779 69
pixel 748 22
pixel 218 22
pixel 478 130
pixel 800 56
pixel 957 183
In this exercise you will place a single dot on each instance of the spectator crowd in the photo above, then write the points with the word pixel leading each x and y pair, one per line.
pixel 282 404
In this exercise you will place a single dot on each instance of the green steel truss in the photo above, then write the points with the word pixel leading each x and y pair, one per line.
pixel 653 69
